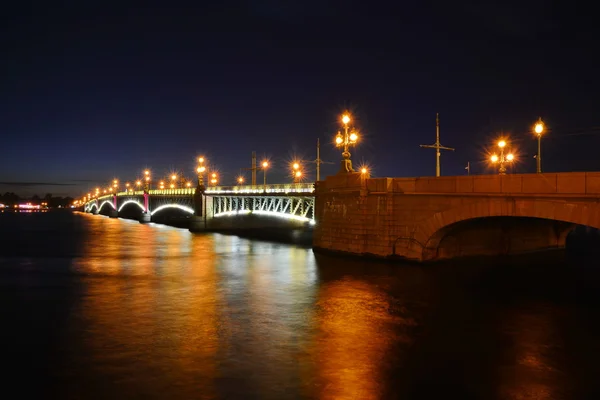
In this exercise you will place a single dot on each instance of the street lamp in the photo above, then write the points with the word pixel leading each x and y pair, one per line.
pixel 345 140
pixel 147 181
pixel 265 165
pixel 173 180
pixel 240 180
pixel 502 159
pixel 539 129
pixel 296 172
pixel 200 170
pixel 213 179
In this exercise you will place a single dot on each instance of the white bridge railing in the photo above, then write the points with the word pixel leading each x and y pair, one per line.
pixel 284 188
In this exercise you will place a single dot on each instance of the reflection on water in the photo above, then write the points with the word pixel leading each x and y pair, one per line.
pixel 110 308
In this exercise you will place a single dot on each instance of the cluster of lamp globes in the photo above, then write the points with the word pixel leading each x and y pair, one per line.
pixel 347 138
pixel 214 178
pixel 538 129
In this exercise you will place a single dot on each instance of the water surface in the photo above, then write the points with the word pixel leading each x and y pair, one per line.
pixel 100 308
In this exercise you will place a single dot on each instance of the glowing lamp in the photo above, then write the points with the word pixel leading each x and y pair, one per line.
pixel 510 157
pixel 345 119
pixel 353 137
pixel 494 158
pixel 539 128
pixel 501 144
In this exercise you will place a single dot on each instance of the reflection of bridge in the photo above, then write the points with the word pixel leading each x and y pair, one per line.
pixel 216 207
pixel 415 218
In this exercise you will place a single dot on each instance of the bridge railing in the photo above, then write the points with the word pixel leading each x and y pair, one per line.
pixel 181 191
pixel 257 189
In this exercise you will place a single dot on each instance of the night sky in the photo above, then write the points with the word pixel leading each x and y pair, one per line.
pixel 90 92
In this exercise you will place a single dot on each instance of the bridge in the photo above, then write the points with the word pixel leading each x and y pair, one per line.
pixel 421 219
pixel 214 208
pixel 425 219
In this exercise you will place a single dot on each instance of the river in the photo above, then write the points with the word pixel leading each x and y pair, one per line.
pixel 100 308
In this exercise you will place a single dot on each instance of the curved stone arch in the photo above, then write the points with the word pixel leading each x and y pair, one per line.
pixel 189 210
pixel 104 203
pixel 126 202
pixel 435 228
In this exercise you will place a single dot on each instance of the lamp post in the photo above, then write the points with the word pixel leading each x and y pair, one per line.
pixel 147 181
pixel 214 179
pixel 345 140
pixel 502 159
pixel 200 170
pixel 539 129
pixel 173 181
pixel 265 165
pixel 296 172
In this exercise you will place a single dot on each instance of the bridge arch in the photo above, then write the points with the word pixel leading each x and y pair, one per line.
pixel 564 214
pixel 127 202
pixel 188 210
pixel 105 203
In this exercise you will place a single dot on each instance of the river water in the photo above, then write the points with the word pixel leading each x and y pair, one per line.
pixel 99 308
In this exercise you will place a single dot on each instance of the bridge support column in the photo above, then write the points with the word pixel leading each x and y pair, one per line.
pixel 146 217
pixel 95 211
pixel 112 213
pixel 198 222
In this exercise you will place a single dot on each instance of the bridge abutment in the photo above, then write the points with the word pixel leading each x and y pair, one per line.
pixel 145 218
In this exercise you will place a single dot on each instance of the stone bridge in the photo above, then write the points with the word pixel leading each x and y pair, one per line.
pixel 427 219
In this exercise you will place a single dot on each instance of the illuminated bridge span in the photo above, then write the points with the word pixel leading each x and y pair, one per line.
pixel 422 219
pixel 215 208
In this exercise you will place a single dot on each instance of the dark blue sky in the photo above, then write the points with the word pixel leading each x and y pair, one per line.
pixel 91 92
